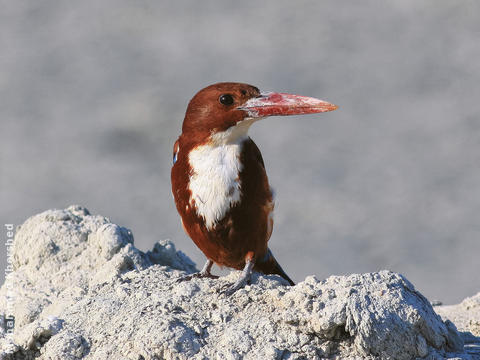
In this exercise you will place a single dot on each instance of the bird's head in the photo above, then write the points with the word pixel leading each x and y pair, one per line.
pixel 224 111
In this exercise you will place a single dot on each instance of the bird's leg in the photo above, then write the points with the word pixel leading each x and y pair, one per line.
pixel 244 278
pixel 205 272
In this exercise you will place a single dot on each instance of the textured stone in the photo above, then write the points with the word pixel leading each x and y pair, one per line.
pixel 466 316
pixel 82 290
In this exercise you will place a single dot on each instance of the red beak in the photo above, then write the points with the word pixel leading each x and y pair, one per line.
pixel 268 104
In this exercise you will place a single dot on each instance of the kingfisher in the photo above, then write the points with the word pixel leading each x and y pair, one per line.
pixel 219 182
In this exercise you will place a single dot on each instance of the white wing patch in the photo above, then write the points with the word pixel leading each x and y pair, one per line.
pixel 215 183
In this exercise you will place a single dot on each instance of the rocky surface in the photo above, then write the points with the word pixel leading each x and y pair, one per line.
pixel 81 290
pixel 466 316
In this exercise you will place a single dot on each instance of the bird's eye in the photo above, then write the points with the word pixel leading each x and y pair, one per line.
pixel 226 99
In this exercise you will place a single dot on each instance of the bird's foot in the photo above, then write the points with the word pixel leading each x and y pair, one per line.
pixel 204 273
pixel 229 289
pixel 197 275
pixel 243 280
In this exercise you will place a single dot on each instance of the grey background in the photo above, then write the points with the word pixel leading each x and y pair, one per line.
pixel 93 93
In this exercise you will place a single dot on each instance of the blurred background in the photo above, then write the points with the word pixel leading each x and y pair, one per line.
pixel 93 94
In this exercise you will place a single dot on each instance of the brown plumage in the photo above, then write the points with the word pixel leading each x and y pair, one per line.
pixel 219 182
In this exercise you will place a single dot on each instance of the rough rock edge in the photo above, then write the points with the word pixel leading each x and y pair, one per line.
pixel 466 316
pixel 82 290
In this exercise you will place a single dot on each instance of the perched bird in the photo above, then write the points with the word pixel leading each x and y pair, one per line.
pixel 219 182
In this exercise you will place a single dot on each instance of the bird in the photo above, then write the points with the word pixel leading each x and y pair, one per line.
pixel 219 183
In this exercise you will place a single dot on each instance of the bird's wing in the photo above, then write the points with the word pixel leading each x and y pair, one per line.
pixel 253 152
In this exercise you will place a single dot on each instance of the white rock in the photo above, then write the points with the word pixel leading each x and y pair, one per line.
pixel 84 291
pixel 466 316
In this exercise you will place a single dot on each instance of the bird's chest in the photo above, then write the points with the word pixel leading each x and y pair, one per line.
pixel 214 182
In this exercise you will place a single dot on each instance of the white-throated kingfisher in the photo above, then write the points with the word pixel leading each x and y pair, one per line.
pixel 219 182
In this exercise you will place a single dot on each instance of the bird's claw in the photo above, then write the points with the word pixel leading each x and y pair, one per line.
pixel 197 275
pixel 230 289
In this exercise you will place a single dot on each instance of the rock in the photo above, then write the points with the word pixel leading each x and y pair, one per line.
pixel 466 316
pixel 83 291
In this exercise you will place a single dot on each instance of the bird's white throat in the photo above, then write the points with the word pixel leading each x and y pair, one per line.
pixel 215 181
pixel 234 134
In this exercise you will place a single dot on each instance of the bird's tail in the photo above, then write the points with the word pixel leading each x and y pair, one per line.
pixel 269 265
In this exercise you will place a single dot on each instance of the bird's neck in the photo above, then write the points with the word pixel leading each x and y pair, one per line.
pixel 233 135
